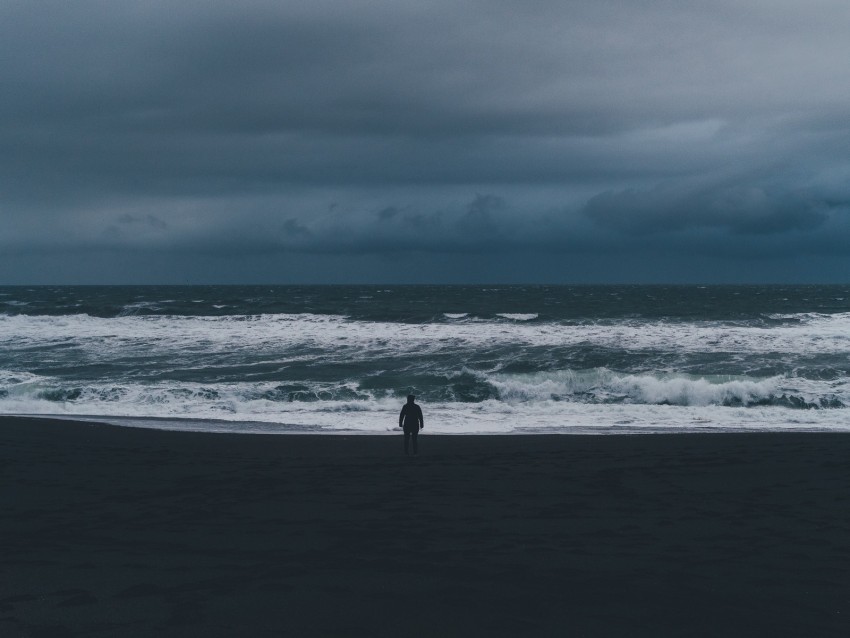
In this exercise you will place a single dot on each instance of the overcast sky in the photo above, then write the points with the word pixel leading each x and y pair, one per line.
pixel 428 141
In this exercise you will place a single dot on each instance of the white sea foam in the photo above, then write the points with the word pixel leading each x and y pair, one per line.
pixel 186 411
pixel 518 316
pixel 604 386
pixel 345 339
pixel 131 309
pixel 597 398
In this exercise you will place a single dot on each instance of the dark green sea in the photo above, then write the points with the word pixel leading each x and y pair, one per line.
pixel 479 358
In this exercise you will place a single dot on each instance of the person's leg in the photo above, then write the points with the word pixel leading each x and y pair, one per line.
pixel 407 442
pixel 415 442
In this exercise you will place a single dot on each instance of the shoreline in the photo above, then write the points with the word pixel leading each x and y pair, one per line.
pixel 111 530
pixel 268 428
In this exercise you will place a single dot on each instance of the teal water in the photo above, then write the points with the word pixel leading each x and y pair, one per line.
pixel 480 358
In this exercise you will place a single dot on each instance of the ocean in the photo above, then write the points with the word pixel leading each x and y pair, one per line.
pixel 480 359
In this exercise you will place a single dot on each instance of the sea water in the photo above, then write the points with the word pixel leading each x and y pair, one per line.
pixel 480 359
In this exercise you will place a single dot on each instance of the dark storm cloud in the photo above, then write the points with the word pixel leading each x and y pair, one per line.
pixel 292 228
pixel 146 220
pixel 362 128
pixel 387 213
pixel 741 208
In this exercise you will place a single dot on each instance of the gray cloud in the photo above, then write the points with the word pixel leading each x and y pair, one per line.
pixel 146 220
pixel 740 208
pixel 387 213
pixel 293 229
pixel 308 128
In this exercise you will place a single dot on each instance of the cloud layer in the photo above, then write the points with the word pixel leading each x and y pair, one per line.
pixel 471 134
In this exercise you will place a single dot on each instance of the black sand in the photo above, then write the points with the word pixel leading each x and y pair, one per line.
pixel 112 531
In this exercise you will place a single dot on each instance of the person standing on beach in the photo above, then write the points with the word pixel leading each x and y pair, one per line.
pixel 412 421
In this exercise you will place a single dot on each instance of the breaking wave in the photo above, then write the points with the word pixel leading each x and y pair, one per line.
pixel 194 355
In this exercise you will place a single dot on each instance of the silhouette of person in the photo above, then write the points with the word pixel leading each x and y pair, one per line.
pixel 411 420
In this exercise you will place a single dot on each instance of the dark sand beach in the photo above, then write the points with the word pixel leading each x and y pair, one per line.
pixel 110 531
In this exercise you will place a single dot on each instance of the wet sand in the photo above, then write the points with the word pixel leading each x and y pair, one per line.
pixel 111 531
